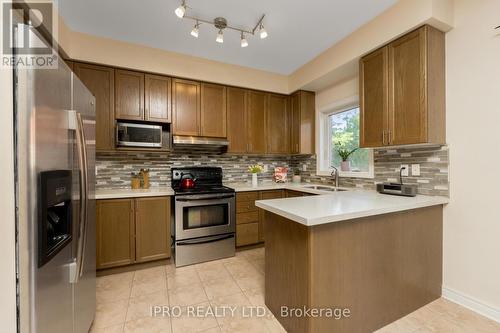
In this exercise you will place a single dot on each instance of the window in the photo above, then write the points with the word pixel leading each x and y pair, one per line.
pixel 339 143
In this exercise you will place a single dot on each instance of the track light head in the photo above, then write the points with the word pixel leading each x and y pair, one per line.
pixel 244 42
pixel 263 32
pixel 220 37
pixel 181 10
pixel 196 30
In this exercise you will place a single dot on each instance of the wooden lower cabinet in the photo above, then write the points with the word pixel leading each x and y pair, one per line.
pixel 132 230
pixel 249 218
pixel 294 194
pixel 115 233
pixel 247 234
pixel 152 228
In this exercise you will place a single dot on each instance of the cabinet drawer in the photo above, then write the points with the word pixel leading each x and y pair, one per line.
pixel 247 234
pixel 275 194
pixel 247 196
pixel 245 206
pixel 247 217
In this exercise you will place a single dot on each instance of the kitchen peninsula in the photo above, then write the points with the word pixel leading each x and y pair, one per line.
pixel 378 256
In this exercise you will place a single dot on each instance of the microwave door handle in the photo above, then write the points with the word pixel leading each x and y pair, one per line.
pixel 206 198
pixel 205 241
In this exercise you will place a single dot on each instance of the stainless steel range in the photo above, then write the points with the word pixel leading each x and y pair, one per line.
pixel 205 220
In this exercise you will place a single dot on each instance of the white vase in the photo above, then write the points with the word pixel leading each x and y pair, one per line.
pixel 255 181
pixel 345 165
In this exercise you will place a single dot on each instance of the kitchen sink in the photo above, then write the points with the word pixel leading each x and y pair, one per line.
pixel 324 188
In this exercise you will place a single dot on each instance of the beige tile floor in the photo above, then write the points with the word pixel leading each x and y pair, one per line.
pixel 124 301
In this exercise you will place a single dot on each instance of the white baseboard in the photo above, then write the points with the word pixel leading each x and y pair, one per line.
pixel 472 304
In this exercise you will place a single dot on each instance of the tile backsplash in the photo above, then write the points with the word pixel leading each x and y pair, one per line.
pixel 113 169
pixel 433 179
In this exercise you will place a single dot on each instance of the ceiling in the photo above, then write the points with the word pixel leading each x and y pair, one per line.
pixel 298 30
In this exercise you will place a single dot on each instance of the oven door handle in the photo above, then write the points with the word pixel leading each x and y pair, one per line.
pixel 205 241
pixel 205 198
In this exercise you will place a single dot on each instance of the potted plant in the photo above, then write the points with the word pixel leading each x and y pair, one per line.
pixel 255 170
pixel 296 176
pixel 343 146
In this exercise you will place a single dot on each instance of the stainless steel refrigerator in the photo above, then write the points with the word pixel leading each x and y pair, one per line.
pixel 55 170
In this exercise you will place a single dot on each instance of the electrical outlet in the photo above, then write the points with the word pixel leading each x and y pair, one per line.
pixel 404 172
pixel 415 169
pixel 304 167
pixel 265 167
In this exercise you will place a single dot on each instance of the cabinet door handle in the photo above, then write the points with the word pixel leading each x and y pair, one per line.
pixel 383 138
pixel 389 139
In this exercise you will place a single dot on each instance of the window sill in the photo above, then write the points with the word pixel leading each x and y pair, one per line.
pixel 347 174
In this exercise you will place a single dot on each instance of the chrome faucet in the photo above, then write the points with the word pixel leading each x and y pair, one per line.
pixel 335 175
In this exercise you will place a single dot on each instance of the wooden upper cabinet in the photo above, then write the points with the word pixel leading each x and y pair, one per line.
pixel 157 98
pixel 373 99
pixel 295 123
pixel 152 225
pixel 100 81
pixel 407 103
pixel 302 122
pixel 186 107
pixel 213 111
pixel 129 95
pixel 403 91
pixel 115 234
pixel 417 88
pixel 237 120
pixel 256 122
pixel 277 124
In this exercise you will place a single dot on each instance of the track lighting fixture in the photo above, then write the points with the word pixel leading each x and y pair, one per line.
pixel 220 37
pixel 263 32
pixel 244 42
pixel 220 24
pixel 196 30
pixel 181 10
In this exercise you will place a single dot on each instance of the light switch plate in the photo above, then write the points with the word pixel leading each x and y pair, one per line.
pixel 265 167
pixel 405 172
pixel 415 169
pixel 304 167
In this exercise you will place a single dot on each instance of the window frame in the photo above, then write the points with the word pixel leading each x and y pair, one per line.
pixel 324 144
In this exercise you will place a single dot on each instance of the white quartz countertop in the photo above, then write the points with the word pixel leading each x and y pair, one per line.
pixel 268 186
pixel 130 193
pixel 340 206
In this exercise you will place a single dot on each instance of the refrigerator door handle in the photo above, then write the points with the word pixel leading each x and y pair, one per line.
pixel 83 177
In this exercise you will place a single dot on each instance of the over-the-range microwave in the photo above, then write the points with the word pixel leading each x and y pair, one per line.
pixel 138 135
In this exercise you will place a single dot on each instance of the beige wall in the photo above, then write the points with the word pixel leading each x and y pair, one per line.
pixel 7 223
pixel 340 60
pixel 337 92
pixel 337 64
pixel 472 219
pixel 85 47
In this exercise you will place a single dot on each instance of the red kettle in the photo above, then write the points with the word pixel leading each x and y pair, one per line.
pixel 188 182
